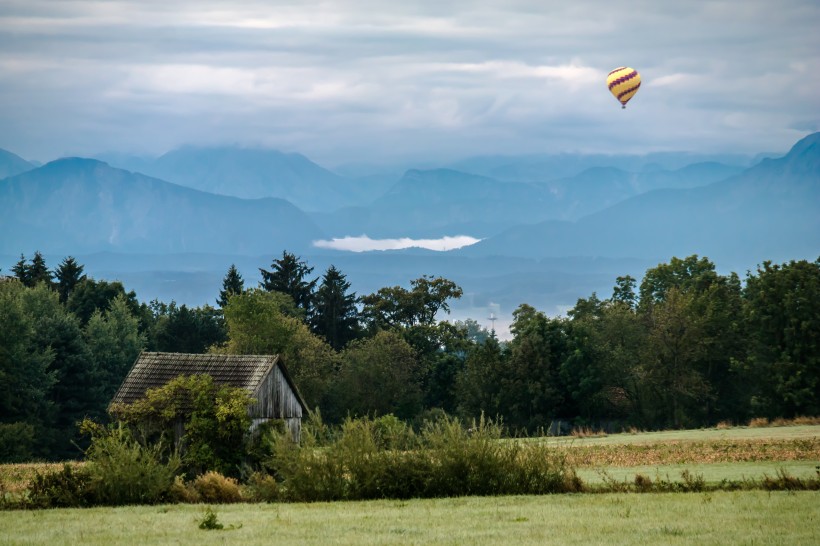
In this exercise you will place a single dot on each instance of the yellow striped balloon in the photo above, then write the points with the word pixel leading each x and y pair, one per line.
pixel 623 83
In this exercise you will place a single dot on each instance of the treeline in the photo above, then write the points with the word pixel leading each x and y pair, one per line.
pixel 684 347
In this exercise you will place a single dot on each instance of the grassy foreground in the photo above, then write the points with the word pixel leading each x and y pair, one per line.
pixel 748 517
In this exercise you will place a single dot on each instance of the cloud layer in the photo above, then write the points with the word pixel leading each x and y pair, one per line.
pixel 370 81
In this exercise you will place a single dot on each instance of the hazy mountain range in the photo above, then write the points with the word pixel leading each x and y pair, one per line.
pixel 553 227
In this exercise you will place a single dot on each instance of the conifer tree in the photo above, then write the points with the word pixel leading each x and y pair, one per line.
pixel 68 274
pixel 288 276
pixel 38 271
pixel 21 270
pixel 232 284
pixel 335 317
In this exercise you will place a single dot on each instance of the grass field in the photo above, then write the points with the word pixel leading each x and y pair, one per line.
pixel 613 519
pixel 716 517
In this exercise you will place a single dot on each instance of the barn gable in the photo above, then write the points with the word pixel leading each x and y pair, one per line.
pixel 265 377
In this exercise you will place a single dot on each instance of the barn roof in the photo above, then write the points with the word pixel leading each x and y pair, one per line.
pixel 153 370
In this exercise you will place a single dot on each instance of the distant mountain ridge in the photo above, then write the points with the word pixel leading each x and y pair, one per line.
pixel 771 210
pixel 438 202
pixel 78 205
pixel 253 173
pixel 549 167
pixel 11 164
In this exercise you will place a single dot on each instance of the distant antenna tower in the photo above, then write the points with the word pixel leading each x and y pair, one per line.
pixel 492 318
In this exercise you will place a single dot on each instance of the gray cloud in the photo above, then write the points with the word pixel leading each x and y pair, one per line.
pixel 374 80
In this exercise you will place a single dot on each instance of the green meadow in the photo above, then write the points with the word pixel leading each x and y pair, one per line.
pixel 747 517
pixel 707 516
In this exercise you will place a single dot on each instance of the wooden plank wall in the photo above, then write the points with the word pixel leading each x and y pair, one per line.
pixel 275 399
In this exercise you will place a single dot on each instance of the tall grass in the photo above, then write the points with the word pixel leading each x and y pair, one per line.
pixel 450 460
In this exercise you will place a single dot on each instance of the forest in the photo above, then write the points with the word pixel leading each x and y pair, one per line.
pixel 683 347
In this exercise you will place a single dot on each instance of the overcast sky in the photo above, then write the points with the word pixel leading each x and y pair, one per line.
pixel 377 80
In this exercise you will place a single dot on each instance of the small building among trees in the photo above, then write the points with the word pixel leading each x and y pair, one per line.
pixel 264 377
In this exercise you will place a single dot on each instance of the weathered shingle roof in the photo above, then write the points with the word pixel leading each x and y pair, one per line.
pixel 153 370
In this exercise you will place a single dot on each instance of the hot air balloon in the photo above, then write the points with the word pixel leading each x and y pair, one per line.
pixel 623 83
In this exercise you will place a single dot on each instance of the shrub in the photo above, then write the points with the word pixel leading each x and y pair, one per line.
pixel 68 487
pixel 691 482
pixel 784 481
pixel 213 487
pixel 263 488
pixel 643 483
pixel 209 521
pixel 123 471
pixel 759 422
pixel 390 432
pixel 449 461
pixel 181 491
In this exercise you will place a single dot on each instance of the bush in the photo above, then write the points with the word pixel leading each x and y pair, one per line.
pixel 390 432
pixel 180 491
pixel 450 461
pixel 784 481
pixel 123 471
pixel 68 487
pixel 263 488
pixel 213 487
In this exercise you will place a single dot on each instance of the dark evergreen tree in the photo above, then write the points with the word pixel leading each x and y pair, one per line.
pixel 22 271
pixel 38 271
pixel 68 274
pixel 289 277
pixel 335 315
pixel 231 284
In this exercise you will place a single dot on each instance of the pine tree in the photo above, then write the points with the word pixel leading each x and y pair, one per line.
pixel 231 284
pixel 335 314
pixel 38 271
pixel 288 276
pixel 21 270
pixel 68 274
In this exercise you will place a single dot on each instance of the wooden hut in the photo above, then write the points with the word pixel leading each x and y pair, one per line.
pixel 264 377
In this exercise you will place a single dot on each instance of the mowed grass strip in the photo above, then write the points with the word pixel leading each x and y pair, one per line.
pixel 712 474
pixel 747 517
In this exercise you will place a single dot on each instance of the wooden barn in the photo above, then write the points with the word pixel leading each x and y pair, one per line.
pixel 264 377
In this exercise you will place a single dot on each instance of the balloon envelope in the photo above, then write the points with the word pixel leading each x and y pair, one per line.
pixel 623 83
